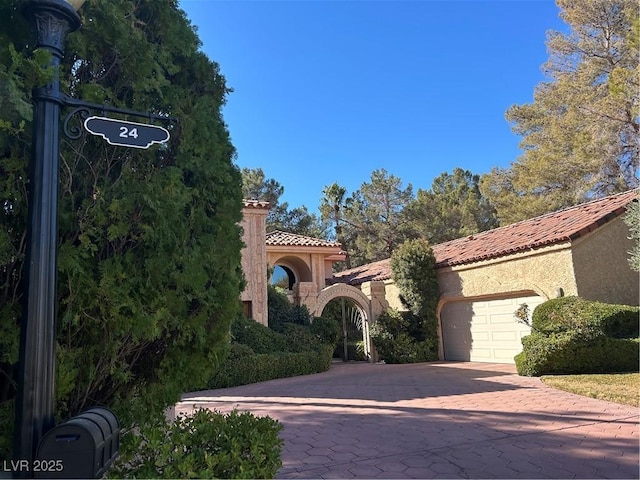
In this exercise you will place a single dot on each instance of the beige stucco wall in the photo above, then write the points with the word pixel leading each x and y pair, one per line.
pixel 393 295
pixel 542 271
pixel 601 267
pixel 254 262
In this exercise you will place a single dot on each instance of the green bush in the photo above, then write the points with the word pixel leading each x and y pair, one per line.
pixel 326 330
pixel 299 338
pixel 281 311
pixel 566 353
pixel 205 444
pixel 259 368
pixel 571 336
pixel 259 338
pixel 591 318
pixel 394 342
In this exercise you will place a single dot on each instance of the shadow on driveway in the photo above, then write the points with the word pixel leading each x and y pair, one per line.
pixel 436 420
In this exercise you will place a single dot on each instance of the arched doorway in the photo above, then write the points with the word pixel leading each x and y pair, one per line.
pixel 352 309
pixel 354 328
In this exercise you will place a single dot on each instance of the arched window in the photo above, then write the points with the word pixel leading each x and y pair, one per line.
pixel 283 277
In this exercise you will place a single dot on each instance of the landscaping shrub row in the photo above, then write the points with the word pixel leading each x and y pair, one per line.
pixel 247 367
pixel 572 336
pixel 257 353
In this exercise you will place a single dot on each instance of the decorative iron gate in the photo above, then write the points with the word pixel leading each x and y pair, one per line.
pixel 355 332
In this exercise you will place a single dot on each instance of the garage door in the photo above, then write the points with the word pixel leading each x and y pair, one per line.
pixel 484 331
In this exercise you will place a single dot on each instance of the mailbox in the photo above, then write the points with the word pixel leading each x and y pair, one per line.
pixel 84 446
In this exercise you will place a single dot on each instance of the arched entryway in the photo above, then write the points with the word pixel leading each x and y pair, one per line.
pixel 352 309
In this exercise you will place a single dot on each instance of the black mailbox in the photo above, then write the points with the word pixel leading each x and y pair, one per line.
pixel 82 447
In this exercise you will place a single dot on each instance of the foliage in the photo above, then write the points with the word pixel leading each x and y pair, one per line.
pixel 326 330
pixel 256 336
pixel 372 219
pixel 332 206
pixel 571 335
pixel 394 343
pixel 570 353
pixel 300 338
pixel 281 311
pixel 453 208
pixel 632 220
pixel 581 134
pixel 523 315
pixel 255 186
pixel 268 366
pixel 413 271
pixel 258 353
pixel 410 336
pixel 586 317
pixel 144 300
pixel 205 444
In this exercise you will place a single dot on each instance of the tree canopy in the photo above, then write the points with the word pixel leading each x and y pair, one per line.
pixel 256 186
pixel 454 207
pixel 581 133
pixel 149 241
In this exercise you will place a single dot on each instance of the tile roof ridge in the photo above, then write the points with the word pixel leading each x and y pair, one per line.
pixel 517 224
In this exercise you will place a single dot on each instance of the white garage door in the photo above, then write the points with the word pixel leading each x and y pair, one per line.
pixel 484 331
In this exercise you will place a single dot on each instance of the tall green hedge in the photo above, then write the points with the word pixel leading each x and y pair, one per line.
pixel 412 336
pixel 257 353
pixel 149 258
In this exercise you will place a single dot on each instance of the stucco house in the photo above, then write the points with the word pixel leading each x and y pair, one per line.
pixel 484 278
pixel 307 261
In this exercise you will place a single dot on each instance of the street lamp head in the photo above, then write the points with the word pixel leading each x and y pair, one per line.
pixel 53 20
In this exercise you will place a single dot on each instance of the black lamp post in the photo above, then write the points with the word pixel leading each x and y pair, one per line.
pixel 54 19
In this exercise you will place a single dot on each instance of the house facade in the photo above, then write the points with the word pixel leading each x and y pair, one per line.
pixel 484 278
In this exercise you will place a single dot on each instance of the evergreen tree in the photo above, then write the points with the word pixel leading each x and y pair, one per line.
pixel 453 208
pixel 149 258
pixel 255 186
pixel 581 134
pixel 375 221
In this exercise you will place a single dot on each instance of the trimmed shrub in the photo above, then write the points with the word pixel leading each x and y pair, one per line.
pixel 281 311
pixel 259 368
pixel 299 338
pixel 566 353
pixel 259 338
pixel 326 330
pixel 590 318
pixel 571 336
pixel 394 342
pixel 206 444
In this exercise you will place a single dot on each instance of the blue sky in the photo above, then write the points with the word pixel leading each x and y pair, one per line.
pixel 329 91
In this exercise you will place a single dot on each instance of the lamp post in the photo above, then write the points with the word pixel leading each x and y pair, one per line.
pixel 53 19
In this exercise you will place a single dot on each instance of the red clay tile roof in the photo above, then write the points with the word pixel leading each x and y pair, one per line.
pixel 278 238
pixel 556 227
pixel 255 204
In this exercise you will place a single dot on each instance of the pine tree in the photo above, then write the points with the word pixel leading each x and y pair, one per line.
pixel 581 134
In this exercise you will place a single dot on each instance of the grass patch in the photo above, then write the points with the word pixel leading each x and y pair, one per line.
pixel 623 388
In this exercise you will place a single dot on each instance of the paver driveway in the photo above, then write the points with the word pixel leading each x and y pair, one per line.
pixel 436 420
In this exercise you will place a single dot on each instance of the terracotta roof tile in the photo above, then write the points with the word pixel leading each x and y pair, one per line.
pixel 279 238
pixel 255 204
pixel 556 227
pixel 380 270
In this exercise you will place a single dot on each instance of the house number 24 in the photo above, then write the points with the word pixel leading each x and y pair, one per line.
pixel 125 132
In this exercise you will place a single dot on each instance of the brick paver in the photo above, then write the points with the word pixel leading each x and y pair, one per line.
pixel 436 420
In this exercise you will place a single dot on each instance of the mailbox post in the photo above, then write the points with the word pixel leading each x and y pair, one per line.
pixel 35 433
pixel 34 403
